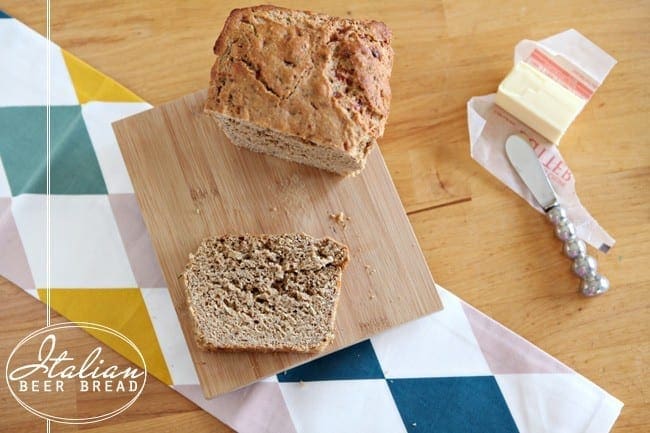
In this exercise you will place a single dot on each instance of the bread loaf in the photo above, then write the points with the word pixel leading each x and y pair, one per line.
pixel 302 86
pixel 265 293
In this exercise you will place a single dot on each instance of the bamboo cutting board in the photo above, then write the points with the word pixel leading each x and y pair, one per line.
pixel 191 182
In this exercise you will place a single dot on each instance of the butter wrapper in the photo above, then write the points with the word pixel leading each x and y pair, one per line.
pixel 579 65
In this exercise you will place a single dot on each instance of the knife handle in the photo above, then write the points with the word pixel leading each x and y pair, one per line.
pixel 584 265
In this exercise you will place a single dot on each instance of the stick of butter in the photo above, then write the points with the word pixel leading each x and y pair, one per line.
pixel 539 101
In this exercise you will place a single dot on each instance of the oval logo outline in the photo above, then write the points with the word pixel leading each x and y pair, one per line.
pixel 83 325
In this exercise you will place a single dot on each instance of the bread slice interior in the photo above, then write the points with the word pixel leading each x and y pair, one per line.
pixel 293 148
pixel 266 292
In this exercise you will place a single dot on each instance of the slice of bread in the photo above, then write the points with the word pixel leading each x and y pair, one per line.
pixel 266 292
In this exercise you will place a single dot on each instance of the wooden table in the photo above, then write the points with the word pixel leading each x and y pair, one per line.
pixel 481 241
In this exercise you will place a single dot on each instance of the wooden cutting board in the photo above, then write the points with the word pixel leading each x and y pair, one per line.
pixel 191 182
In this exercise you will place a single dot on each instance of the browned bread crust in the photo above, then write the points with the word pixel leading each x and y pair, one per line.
pixel 322 79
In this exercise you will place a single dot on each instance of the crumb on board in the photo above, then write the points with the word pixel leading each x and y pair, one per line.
pixel 273 209
pixel 197 211
pixel 340 218
pixel 369 269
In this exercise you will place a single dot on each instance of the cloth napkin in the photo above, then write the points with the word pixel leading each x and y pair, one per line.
pixel 453 371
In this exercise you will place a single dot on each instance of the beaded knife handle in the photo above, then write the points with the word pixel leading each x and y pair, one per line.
pixel 525 162
pixel 584 265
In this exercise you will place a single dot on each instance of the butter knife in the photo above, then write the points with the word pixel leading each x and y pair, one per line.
pixel 525 162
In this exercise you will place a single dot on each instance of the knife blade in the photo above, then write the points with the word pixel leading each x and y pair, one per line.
pixel 525 162
pixel 523 159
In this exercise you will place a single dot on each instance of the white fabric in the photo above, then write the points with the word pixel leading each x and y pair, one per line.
pixel 98 117
pixel 342 406
pixel 86 248
pixel 25 81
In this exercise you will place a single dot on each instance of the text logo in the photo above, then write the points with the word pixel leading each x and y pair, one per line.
pixel 52 377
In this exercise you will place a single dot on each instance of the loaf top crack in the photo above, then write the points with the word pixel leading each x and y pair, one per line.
pixel 320 78
pixel 265 293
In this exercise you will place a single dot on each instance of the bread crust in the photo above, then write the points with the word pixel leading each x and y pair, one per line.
pixel 320 78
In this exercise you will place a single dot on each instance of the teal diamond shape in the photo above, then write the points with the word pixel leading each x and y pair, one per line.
pixel 452 405
pixel 74 168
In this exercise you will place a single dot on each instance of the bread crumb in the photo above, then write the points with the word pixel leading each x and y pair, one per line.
pixel 273 209
pixel 372 296
pixel 370 270
pixel 340 219
pixel 414 424
pixel 197 211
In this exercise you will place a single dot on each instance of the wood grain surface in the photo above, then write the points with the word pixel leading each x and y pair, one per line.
pixel 192 183
pixel 494 251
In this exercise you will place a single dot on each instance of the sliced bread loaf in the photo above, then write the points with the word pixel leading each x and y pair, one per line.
pixel 302 86
pixel 265 293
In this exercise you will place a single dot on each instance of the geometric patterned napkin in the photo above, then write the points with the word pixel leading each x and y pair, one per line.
pixel 453 371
